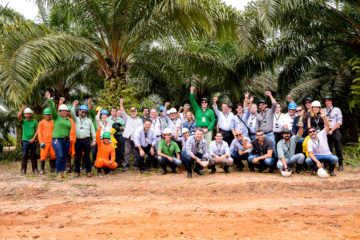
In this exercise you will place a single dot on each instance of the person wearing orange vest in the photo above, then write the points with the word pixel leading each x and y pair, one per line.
pixel 45 130
pixel 106 152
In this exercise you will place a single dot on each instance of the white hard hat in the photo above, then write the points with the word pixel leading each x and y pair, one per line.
pixel 184 130
pixel 167 131
pixel 315 104
pixel 204 163
pixel 63 107
pixel 28 110
pixel 322 173
pixel 285 173
pixel 173 110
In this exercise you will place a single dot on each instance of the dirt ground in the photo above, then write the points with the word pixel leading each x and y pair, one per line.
pixel 239 205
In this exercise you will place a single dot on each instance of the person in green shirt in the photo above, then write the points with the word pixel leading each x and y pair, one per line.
pixel 205 118
pixel 60 137
pixel 168 153
pixel 29 127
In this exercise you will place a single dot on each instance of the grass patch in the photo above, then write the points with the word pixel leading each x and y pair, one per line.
pixel 352 155
pixel 84 185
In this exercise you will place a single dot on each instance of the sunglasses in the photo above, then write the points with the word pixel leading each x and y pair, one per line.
pixel 259 135
pixel 203 102
pixel 299 110
pixel 237 135
pixel 83 111
pixel 312 131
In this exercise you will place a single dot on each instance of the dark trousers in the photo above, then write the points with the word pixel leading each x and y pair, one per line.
pixel 28 147
pixel 238 159
pixel 190 161
pixel 141 160
pixel 80 146
pixel 94 152
pixel 335 140
pixel 228 136
pixel 118 149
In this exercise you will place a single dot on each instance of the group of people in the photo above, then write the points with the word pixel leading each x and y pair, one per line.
pixel 302 138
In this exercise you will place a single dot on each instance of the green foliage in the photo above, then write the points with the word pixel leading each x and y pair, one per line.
pixel 352 154
pixel 7 122
pixel 355 87
pixel 9 156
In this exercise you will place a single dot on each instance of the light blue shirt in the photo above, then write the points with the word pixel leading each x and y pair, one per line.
pixel 237 124
pixel 219 149
pixel 143 139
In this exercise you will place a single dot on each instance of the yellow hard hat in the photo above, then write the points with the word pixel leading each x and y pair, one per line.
pixel 97 109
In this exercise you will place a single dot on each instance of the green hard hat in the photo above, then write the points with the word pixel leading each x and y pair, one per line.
pixel 69 108
pixel 106 135
pixel 47 111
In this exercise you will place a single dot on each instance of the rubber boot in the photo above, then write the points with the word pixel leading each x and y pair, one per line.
pixel 241 165
pixel 314 170
pixel 260 167
pixel 226 169
pixel 213 169
pixel 341 166
pixel 331 170
pixel 251 167
pixel 52 165
pixel 23 165
pixel 68 164
pixel 42 171
pixel 197 169
pixel 298 168
pixel 164 170
pixel 34 164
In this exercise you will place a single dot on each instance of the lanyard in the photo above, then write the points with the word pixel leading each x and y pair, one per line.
pixel 329 113
pixel 168 147
pixel 277 118
pixel 219 148
pixel 317 120
pixel 318 144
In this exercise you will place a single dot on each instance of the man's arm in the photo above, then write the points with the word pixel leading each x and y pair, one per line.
pixel 312 156
pixel 326 121
pixel 123 113
pixel 267 155
pixel 73 114
pixel 216 110
pixel 193 103
pixel 19 115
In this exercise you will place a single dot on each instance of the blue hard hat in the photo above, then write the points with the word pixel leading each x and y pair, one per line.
pixel 104 112
pixel 161 108
pixel 292 105
pixel 83 107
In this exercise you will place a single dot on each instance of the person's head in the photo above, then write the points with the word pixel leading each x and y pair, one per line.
pixel 239 108
pixel 260 135
pixel 185 132
pixel 153 113
pixel 219 137
pixel 199 133
pixel 145 112
pixel 28 113
pixel 204 103
pixel 167 134
pixel 114 112
pixel 186 107
pixel 230 107
pixel 161 111
pixel 315 108
pixel 253 108
pixel 312 132
pixel 225 108
pixel 286 133
pixel 133 112
pixel 106 137
pixel 262 105
pixel 118 113
pixel 83 109
pixel 328 101
pixel 104 114
pixel 189 116
pixel 47 114
pixel 307 103
pixel 173 113
pixel 147 125
pixel 292 108
pixel 300 110
pixel 278 108
pixel 238 135
pixel 64 111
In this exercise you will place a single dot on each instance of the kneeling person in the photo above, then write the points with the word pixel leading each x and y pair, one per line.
pixel 106 152
pixel 219 154
pixel 166 153
pixel 238 152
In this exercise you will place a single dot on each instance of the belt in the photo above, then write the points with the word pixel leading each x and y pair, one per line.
pixel 87 138
pixel 158 136
pixel 225 130
pixel 268 132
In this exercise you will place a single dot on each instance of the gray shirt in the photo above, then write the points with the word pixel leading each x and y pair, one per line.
pixel 131 125
pixel 285 150
pixel 264 121
pixel 193 147
pixel 142 138
pixel 236 146
pixel 334 116
pixel 219 149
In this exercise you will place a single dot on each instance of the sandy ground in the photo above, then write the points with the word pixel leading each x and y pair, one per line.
pixel 239 205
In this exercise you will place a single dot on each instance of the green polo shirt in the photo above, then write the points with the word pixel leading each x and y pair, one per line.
pixel 169 150
pixel 203 118
pixel 29 129
pixel 62 126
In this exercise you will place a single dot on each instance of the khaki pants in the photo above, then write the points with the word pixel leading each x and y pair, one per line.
pixel 208 138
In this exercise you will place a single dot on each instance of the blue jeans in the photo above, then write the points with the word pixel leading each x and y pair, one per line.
pixel 61 147
pixel 331 159
pixel 190 161
pixel 297 158
pixel 271 136
pixel 164 162
pixel 270 162
pixel 80 146
pixel 26 147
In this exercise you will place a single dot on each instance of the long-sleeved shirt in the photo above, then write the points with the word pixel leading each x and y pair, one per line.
pixel 278 123
pixel 142 138
pixel 193 147
pixel 173 124
pixel 45 131
pixel 120 120
pixel 219 149
pixel 236 146
pixel 203 118
pixel 264 121
pixel 104 150
pixel 183 141
pixel 240 122
pixel 62 126
pixel 251 123
pixel 131 124
pixel 84 126
pixel 191 126
pixel 334 116
pixel 104 127
pixel 285 150
pixel 224 120
pixel 157 126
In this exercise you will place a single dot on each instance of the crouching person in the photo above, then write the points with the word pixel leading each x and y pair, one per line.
pixel 196 151
pixel 106 152
pixel 238 152
pixel 168 153
pixel 219 154
pixel 261 154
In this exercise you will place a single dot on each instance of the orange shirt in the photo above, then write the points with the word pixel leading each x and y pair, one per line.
pixel 45 131
pixel 104 150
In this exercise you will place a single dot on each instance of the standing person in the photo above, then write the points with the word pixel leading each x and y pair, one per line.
pixel 262 152
pixel 286 151
pixel 45 130
pixel 132 122
pixel 118 124
pixel 205 117
pixel 264 120
pixel 278 123
pixel 224 120
pixel 29 127
pixel 238 152
pixel 93 117
pixel 196 151
pixel 240 120
pixel 144 141
pixel 318 148
pixel 174 124
pixel 315 120
pixel 85 138
pixel 219 154
pixel 146 115
pixel 60 136
pixel 290 116
pixel 252 121
pixel 183 114
pixel 301 118
pixel 105 158
pixel 168 153
pixel 101 120
pixel 190 123
pixel 335 118
pixel 307 103
pixel 156 126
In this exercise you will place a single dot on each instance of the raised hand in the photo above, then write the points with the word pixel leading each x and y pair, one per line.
pixel 268 93
pixel 322 113
pixel 62 99
pixel 247 94
pixel 251 99
pixel 167 104
pixel 215 99
pixel 47 95
pixel 89 100
pixel 121 101
pixel 76 102
pixel 192 88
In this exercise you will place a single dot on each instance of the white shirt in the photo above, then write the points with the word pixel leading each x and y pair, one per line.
pixel 334 116
pixel 157 126
pixel 144 139
pixel 288 120
pixel 224 120
pixel 173 124
pixel 131 125
pixel 279 122
pixel 320 146
pixel 219 149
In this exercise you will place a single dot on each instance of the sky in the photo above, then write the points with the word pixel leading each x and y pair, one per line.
pixel 30 11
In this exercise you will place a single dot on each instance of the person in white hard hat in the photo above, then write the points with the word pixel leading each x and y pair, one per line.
pixel 174 123
pixel 168 153
pixel 29 127
pixel 318 148
pixel 219 154
pixel 315 120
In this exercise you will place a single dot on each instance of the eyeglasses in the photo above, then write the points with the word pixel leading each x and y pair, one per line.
pixel 203 102
pixel 307 102
pixel 259 135
pixel 237 135
pixel 299 110
pixel 312 131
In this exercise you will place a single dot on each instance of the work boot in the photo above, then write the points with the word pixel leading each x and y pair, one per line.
pixel 213 169
pixel 197 170
pixel 260 167
pixel 241 166
pixel 226 169
pixel 23 165
pixel 251 167
pixel 331 170
pixel 42 171
pixel 164 171
pixel 298 168
pixel 271 170
pixel 52 165
pixel 68 164
pixel 314 170
pixel 34 165
pixel 341 167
